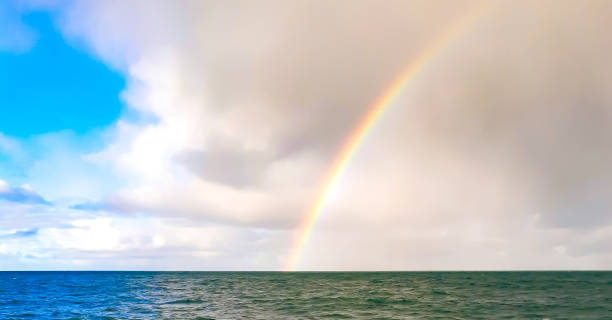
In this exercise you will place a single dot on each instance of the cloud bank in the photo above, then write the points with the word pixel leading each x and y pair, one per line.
pixel 497 156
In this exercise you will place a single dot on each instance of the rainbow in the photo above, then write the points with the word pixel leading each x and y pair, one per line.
pixel 356 137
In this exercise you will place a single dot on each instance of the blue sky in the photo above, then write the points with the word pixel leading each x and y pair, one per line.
pixel 56 101
pixel 54 86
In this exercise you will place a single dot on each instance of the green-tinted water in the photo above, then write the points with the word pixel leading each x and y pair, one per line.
pixel 252 295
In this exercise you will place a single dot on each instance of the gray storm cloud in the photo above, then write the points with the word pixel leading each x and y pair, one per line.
pixel 503 140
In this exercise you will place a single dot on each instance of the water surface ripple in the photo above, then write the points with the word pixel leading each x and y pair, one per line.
pixel 311 295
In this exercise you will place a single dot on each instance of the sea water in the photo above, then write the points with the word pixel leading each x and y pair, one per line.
pixel 308 295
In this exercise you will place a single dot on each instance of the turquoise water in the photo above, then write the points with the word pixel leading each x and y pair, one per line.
pixel 273 295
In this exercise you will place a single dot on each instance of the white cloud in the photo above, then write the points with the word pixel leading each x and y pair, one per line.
pixel 4 187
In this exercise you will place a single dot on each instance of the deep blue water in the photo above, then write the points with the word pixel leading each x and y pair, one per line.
pixel 273 295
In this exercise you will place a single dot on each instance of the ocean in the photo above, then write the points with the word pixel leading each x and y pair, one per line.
pixel 306 295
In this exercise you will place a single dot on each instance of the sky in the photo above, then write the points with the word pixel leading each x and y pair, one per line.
pixel 194 135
